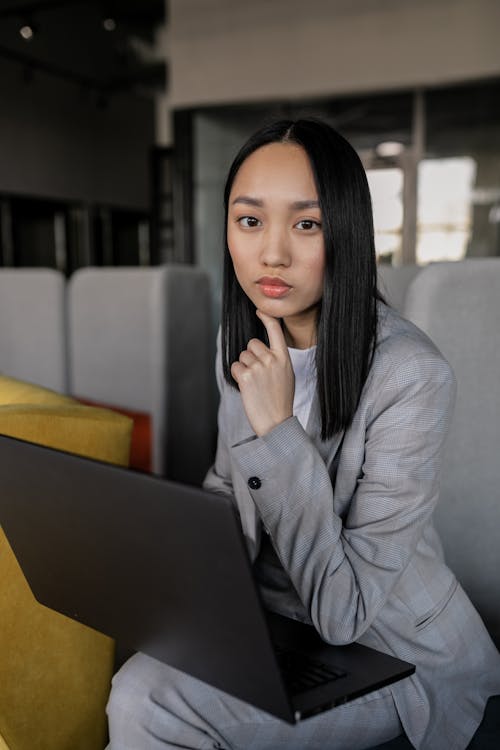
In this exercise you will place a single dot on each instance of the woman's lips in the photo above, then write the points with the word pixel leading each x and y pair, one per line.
pixel 272 286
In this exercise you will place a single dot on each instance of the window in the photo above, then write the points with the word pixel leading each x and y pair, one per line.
pixel 386 188
pixel 444 208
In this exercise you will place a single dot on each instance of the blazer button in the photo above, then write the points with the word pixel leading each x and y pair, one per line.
pixel 254 483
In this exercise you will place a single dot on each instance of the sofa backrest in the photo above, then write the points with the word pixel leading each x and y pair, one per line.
pixel 139 338
pixel 458 305
pixel 33 326
pixel 393 283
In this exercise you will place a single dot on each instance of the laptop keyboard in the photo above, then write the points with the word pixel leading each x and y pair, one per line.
pixel 303 673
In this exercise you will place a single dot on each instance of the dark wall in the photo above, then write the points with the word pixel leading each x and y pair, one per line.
pixel 58 140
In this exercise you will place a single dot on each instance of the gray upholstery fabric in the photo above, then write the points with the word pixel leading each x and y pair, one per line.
pixel 393 283
pixel 32 326
pixel 458 305
pixel 140 339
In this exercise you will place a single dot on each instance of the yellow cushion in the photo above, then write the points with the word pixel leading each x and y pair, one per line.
pixel 14 391
pixel 54 673
pixel 95 433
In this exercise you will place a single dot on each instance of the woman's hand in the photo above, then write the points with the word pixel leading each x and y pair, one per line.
pixel 265 379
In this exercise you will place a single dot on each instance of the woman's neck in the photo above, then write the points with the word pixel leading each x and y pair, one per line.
pixel 300 332
pixel 299 338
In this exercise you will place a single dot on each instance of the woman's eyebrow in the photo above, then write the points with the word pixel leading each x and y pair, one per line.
pixel 296 205
pixel 301 205
pixel 248 201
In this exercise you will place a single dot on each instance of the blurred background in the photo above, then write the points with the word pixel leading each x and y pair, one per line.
pixel 118 121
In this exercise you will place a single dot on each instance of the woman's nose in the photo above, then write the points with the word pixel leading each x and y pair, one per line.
pixel 275 249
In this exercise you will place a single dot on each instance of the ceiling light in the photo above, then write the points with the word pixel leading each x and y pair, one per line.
pixel 27 32
pixel 109 24
pixel 389 149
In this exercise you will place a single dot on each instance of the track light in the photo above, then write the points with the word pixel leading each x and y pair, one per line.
pixel 27 31
pixel 109 23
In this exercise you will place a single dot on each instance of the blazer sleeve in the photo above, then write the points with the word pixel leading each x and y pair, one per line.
pixel 221 477
pixel 344 569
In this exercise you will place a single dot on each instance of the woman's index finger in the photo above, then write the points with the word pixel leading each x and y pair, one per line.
pixel 274 332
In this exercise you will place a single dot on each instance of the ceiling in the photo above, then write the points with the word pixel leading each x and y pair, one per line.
pixel 70 41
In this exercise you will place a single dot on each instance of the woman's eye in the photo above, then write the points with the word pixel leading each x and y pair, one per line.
pixel 248 221
pixel 308 224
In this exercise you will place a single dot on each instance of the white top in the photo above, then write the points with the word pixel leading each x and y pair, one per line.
pixel 304 367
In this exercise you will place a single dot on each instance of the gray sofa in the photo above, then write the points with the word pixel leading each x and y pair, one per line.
pixel 132 338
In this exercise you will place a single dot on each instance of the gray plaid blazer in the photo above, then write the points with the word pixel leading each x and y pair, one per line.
pixel 353 548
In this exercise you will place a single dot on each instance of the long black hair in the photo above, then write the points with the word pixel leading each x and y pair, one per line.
pixel 347 316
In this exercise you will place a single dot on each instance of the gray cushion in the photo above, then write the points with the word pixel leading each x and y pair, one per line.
pixel 32 326
pixel 140 339
pixel 458 305
pixel 393 283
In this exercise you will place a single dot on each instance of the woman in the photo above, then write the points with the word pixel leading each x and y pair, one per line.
pixel 332 420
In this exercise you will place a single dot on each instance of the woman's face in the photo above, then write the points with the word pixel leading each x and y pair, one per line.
pixel 275 237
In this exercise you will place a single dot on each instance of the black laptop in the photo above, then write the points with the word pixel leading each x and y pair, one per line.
pixel 163 568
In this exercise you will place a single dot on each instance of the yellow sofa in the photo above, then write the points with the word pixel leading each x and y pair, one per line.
pixel 54 673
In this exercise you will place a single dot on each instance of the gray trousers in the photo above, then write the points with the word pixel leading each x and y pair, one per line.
pixel 153 707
